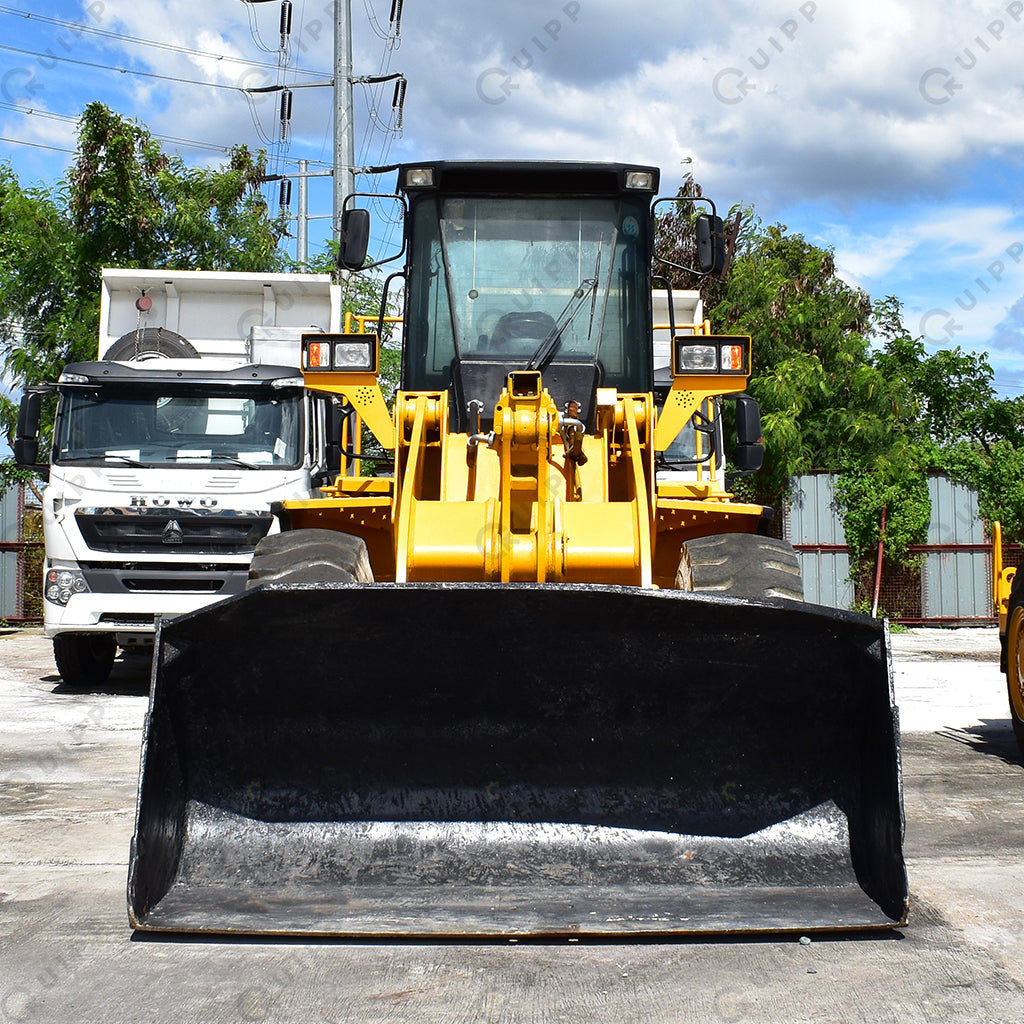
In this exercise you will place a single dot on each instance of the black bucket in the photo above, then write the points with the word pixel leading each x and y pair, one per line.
pixel 479 760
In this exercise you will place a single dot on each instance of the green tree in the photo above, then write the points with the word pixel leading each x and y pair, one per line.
pixel 825 403
pixel 959 422
pixel 124 203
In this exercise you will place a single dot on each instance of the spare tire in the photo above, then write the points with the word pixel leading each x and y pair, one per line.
pixel 151 343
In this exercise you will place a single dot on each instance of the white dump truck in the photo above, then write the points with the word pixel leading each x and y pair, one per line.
pixel 169 450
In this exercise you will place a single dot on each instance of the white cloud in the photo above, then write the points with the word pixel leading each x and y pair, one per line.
pixel 889 130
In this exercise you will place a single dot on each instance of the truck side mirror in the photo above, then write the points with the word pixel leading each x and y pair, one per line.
pixel 710 243
pixel 749 445
pixel 354 240
pixel 26 440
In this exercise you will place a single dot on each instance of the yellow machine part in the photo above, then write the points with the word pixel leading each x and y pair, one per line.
pixel 1002 577
pixel 517 505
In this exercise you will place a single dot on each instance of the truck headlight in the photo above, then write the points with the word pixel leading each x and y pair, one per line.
pixel 60 584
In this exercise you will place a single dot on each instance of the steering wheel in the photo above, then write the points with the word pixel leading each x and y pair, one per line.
pixel 515 327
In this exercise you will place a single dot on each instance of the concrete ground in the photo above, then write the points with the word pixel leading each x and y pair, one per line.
pixel 69 771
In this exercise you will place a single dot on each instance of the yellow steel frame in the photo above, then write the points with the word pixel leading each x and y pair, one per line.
pixel 1002 577
pixel 514 506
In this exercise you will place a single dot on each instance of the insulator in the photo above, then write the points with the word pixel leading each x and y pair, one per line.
pixel 286 192
pixel 398 102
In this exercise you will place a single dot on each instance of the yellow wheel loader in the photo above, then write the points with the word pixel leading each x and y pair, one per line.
pixel 1008 599
pixel 547 677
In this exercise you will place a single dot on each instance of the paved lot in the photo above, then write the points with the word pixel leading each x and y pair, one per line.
pixel 69 769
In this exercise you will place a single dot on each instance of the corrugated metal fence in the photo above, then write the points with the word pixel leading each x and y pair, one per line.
pixel 953 584
pixel 16 561
pixel 11 506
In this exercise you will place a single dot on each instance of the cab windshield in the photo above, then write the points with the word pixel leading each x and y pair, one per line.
pixel 181 426
pixel 530 280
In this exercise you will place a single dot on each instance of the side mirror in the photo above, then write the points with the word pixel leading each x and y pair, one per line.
pixel 354 240
pixel 749 445
pixel 710 243
pixel 26 439
pixel 335 422
pixel 26 451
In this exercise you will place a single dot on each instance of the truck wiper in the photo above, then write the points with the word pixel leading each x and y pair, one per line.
pixel 212 457
pixel 101 457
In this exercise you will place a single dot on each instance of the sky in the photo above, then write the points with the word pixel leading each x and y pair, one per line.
pixel 890 132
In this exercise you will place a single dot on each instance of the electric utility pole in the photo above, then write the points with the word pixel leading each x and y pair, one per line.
pixel 344 147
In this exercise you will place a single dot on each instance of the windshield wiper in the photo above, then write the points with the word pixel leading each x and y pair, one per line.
pixel 549 345
pixel 212 457
pixel 547 348
pixel 101 457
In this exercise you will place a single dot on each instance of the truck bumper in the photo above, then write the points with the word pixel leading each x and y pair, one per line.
pixel 130 616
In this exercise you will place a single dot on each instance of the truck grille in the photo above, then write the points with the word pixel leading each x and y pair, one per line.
pixel 177 531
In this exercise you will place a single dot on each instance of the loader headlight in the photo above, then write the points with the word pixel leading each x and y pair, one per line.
pixel 640 180
pixel 61 584
pixel 340 353
pixel 710 354
pixel 697 358
pixel 419 177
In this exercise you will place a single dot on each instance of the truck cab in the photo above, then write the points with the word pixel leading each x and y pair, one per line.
pixel 165 459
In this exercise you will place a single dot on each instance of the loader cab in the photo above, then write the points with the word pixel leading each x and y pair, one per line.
pixel 540 267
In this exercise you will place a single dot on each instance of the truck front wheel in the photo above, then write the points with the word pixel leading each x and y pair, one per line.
pixel 84 659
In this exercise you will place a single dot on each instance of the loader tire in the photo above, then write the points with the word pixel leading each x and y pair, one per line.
pixel 310 556
pixel 742 565
pixel 84 659
pixel 1015 664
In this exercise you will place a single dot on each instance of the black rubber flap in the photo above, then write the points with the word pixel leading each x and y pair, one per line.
pixel 473 760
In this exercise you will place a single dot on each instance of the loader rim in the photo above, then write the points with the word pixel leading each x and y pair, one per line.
pixel 741 565
pixel 1015 671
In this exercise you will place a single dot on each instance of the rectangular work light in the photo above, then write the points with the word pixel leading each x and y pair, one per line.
pixel 641 180
pixel 710 354
pixel 339 353
pixel 418 177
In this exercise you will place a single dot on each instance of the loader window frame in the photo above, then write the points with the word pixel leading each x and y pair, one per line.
pixel 480 265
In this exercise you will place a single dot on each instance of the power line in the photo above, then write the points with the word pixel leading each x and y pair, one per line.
pixel 78 27
pixel 123 71
pixel 67 119
pixel 38 145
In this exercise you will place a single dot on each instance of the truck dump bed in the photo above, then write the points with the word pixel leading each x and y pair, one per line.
pixel 460 760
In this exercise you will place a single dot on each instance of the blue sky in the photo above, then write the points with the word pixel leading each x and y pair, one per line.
pixel 891 132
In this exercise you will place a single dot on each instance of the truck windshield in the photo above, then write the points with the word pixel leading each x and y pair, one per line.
pixel 180 425
pixel 530 280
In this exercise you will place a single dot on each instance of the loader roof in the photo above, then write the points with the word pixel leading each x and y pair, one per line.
pixel 547 177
